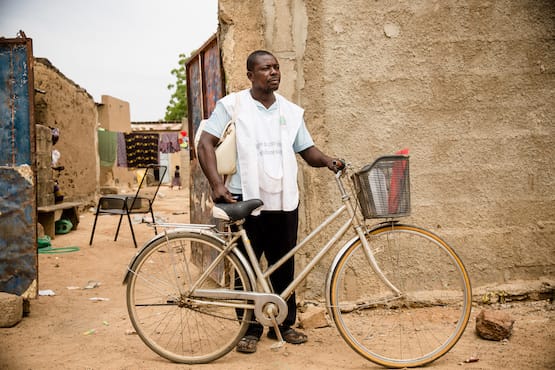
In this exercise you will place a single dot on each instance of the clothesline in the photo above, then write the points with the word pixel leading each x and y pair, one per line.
pixel 134 149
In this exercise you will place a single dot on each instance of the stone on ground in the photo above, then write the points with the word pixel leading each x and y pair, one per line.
pixel 494 325
pixel 313 318
pixel 11 309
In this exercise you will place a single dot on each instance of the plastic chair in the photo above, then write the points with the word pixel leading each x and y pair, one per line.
pixel 140 202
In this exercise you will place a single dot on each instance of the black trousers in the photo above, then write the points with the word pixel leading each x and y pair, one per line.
pixel 273 234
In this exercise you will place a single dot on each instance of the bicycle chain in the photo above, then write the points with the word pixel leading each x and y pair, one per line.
pixel 190 307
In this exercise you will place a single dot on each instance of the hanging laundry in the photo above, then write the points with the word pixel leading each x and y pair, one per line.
pixel 121 150
pixel 142 149
pixel 107 146
pixel 169 142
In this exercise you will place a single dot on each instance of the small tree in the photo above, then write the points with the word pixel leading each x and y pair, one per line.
pixel 177 108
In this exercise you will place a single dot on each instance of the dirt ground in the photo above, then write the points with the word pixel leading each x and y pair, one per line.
pixel 74 329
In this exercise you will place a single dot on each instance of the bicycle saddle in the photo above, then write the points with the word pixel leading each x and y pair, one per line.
pixel 235 211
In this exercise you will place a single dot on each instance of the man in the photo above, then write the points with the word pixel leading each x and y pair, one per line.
pixel 269 131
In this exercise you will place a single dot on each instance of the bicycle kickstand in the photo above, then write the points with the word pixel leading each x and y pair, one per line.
pixel 280 342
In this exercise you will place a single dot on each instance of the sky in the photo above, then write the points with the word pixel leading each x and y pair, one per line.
pixel 122 48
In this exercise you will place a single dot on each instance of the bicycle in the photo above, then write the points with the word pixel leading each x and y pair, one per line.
pixel 398 294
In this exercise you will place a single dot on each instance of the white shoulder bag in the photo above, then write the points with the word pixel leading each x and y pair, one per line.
pixel 226 149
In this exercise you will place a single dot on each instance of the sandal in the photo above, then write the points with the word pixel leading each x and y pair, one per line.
pixel 247 344
pixel 289 335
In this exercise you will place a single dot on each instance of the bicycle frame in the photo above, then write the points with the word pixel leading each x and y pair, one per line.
pixel 354 221
pixel 253 269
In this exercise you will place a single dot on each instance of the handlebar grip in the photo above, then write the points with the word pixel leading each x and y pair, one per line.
pixel 339 164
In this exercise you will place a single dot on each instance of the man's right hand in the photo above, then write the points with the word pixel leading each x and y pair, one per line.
pixel 220 194
pixel 207 159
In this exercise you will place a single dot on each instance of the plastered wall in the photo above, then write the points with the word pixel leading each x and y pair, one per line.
pixel 114 114
pixel 468 87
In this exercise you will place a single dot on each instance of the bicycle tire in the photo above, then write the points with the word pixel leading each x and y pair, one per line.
pixel 167 321
pixel 428 319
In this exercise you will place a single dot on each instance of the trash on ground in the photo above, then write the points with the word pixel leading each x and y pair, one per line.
pixel 46 292
pixel 148 219
pixel 91 284
pixel 98 299
pixel 89 332
pixel 471 359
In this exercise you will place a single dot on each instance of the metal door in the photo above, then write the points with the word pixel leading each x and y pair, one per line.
pixel 18 232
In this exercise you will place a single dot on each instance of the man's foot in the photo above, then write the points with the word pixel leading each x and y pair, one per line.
pixel 289 335
pixel 247 344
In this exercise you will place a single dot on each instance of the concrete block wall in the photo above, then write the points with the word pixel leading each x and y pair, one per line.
pixel 468 87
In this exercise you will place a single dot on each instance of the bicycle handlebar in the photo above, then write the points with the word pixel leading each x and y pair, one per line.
pixel 339 164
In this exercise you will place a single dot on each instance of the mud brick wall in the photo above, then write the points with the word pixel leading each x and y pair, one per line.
pixel 45 182
pixel 63 104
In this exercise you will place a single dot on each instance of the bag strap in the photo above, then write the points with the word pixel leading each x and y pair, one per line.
pixel 236 107
pixel 227 178
pixel 233 119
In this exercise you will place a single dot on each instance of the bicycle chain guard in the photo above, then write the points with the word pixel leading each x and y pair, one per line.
pixel 261 303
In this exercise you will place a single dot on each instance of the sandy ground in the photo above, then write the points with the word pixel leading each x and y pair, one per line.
pixel 71 331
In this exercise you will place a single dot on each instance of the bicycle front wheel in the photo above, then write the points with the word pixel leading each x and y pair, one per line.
pixel 163 309
pixel 412 308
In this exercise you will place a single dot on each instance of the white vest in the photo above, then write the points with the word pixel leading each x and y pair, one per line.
pixel 276 193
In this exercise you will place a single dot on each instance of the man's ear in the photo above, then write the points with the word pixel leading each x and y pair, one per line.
pixel 249 75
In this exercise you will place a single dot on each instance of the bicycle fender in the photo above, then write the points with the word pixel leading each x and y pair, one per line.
pixel 216 239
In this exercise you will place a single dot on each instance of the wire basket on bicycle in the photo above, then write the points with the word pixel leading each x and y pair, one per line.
pixel 383 187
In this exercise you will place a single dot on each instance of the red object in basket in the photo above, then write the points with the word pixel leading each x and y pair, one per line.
pixel 397 180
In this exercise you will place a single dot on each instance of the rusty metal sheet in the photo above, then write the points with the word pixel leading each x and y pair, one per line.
pixel 205 85
pixel 18 257
pixel 18 233
pixel 15 98
pixel 194 99
pixel 212 77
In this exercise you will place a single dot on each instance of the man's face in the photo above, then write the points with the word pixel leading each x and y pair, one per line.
pixel 265 75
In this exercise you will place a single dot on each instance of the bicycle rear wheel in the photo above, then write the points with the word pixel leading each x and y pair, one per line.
pixel 168 319
pixel 423 320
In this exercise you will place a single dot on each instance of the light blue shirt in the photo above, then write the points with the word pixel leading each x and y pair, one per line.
pixel 220 117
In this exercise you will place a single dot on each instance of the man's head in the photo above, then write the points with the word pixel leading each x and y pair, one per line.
pixel 263 71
